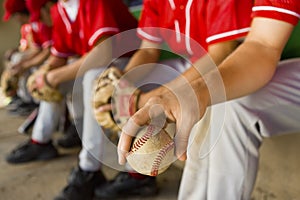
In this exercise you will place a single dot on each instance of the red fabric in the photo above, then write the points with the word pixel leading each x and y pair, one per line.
pixel 41 34
pixel 167 19
pixel 34 6
pixel 25 32
pixel 136 175
pixel 39 143
pixel 13 6
pixel 227 20
pixel 284 10
pixel 94 20
pixel 203 20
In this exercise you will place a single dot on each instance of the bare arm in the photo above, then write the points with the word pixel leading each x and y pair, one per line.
pixel 99 56
pixel 216 54
pixel 64 73
pixel 36 60
pixel 18 68
pixel 254 62
pixel 219 51
pixel 148 53
pixel 247 69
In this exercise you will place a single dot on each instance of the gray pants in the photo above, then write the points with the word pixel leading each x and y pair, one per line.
pixel 50 113
pixel 225 167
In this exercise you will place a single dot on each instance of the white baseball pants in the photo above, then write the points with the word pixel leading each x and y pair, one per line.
pixel 50 113
pixel 235 130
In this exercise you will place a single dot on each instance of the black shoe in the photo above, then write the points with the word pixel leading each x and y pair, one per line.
pixel 15 102
pixel 125 185
pixel 70 139
pixel 24 109
pixel 81 185
pixel 31 152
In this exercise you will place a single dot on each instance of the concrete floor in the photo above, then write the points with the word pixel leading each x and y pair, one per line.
pixel 278 177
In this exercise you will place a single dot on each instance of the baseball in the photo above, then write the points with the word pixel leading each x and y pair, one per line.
pixel 152 151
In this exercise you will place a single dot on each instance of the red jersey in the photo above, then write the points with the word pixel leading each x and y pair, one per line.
pixel 25 33
pixel 194 21
pixel 94 19
pixel 284 10
pixel 41 34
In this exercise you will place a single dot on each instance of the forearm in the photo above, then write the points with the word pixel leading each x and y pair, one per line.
pixel 36 60
pixel 202 66
pixel 146 58
pixel 217 53
pixel 28 55
pixel 238 75
pixel 99 56
pixel 65 73
pixel 141 57
pixel 249 67
pixel 54 62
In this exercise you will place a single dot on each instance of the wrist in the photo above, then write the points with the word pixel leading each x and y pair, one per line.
pixel 24 66
pixel 51 79
pixel 202 93
pixel 143 98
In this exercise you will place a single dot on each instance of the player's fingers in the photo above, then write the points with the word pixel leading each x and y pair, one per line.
pixel 39 81
pixel 129 130
pixel 140 118
pixel 104 108
pixel 152 113
pixel 123 147
pixel 157 116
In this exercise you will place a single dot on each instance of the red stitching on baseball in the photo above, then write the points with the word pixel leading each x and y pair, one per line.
pixel 160 156
pixel 142 140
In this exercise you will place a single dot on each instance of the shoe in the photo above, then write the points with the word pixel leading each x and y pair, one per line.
pixel 70 139
pixel 124 185
pixel 27 125
pixel 81 185
pixel 15 102
pixel 30 151
pixel 24 109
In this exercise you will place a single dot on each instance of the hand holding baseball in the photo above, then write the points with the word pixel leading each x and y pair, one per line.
pixel 179 106
pixel 152 150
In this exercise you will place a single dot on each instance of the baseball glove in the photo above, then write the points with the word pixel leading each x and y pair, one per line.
pixel 9 83
pixel 40 89
pixel 111 88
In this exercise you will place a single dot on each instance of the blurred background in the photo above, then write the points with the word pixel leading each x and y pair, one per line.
pixel 278 176
pixel 9 34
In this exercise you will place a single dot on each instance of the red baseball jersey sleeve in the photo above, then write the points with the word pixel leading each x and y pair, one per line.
pixel 284 10
pixel 41 34
pixel 25 33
